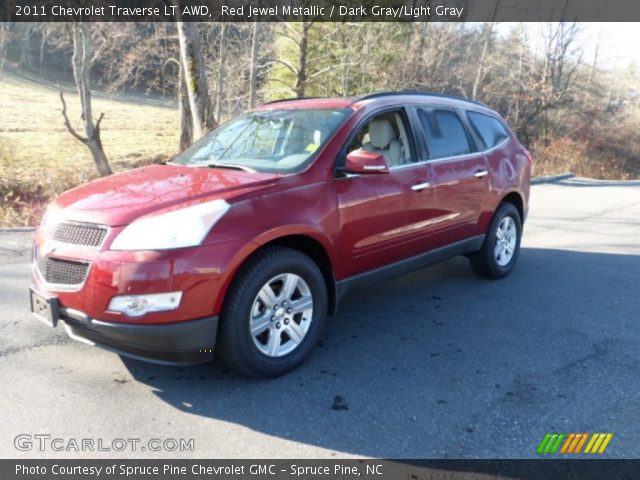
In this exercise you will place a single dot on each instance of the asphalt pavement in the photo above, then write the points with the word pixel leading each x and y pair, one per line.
pixel 436 364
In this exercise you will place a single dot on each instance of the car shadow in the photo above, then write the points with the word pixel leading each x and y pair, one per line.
pixel 443 364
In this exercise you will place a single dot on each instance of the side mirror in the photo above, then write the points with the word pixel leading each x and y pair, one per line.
pixel 363 162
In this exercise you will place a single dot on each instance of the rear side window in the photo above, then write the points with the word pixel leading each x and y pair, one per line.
pixel 445 133
pixel 490 129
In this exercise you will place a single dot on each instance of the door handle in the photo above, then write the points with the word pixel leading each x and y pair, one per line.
pixel 420 186
pixel 481 173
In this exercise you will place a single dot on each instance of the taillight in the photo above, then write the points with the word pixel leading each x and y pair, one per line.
pixel 528 154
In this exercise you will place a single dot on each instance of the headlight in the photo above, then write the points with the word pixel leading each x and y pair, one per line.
pixel 52 216
pixel 186 227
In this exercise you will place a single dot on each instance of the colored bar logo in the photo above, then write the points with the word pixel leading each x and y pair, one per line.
pixel 573 443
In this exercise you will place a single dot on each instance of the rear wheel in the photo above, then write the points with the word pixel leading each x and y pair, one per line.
pixel 501 247
pixel 273 314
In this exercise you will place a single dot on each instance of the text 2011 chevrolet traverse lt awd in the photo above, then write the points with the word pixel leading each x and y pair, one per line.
pixel 245 242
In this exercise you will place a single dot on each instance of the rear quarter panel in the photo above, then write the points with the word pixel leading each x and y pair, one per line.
pixel 510 172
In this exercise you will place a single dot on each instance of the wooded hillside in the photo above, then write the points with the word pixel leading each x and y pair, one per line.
pixel 570 111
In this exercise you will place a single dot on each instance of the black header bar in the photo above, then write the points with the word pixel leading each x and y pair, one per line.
pixel 319 10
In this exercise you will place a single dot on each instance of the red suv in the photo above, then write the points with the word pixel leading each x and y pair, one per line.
pixel 245 242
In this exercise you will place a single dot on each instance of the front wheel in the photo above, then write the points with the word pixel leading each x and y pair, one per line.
pixel 501 246
pixel 274 313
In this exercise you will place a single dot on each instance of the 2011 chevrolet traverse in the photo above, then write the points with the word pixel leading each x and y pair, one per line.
pixel 245 242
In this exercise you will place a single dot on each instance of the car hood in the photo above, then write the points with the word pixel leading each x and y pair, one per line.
pixel 119 199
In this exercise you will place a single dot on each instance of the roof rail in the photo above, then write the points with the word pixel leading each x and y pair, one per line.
pixel 290 99
pixel 426 94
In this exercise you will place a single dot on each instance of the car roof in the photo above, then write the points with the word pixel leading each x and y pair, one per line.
pixel 378 98
pixel 307 102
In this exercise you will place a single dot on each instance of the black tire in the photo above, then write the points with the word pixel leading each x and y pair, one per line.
pixel 235 343
pixel 484 261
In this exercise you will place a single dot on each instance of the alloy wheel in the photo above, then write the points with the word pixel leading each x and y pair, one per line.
pixel 506 235
pixel 281 315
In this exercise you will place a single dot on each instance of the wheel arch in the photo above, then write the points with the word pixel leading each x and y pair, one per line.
pixel 516 199
pixel 315 250
pixel 310 243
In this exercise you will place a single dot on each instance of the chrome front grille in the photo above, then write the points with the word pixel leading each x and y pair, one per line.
pixel 84 234
pixel 57 271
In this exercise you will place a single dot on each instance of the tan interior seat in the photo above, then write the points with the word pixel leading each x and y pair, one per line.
pixel 384 140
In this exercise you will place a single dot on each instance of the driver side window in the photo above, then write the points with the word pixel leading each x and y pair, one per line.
pixel 385 134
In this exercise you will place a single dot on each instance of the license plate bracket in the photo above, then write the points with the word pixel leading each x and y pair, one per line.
pixel 44 307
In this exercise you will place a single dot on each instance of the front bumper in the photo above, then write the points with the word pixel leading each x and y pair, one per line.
pixel 182 343
pixel 201 273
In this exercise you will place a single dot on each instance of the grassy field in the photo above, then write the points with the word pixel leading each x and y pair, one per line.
pixel 39 158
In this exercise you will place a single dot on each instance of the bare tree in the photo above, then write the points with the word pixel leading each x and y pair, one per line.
pixel 82 75
pixel 253 74
pixel 195 79
pixel 44 37
pixel 301 74
pixel 222 56
pixel 346 56
pixel 519 81
pixel 25 32
pixel 558 70
pixel 483 55
pixel 4 36
pixel 596 55
pixel 184 112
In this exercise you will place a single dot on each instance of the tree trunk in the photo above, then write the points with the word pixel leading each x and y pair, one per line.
pixel 186 133
pixel 301 77
pixel 25 30
pixel 520 128
pixel 594 66
pixel 253 75
pixel 421 42
pixel 222 57
pixel 408 57
pixel 4 35
pixel 82 74
pixel 195 79
pixel 483 55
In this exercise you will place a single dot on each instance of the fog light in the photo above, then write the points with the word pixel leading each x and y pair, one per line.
pixel 138 305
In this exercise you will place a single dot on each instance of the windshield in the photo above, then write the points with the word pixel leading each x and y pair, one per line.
pixel 282 141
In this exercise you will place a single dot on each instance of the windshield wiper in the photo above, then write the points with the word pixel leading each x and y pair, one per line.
pixel 231 166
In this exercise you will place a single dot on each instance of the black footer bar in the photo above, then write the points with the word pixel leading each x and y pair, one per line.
pixel 347 469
